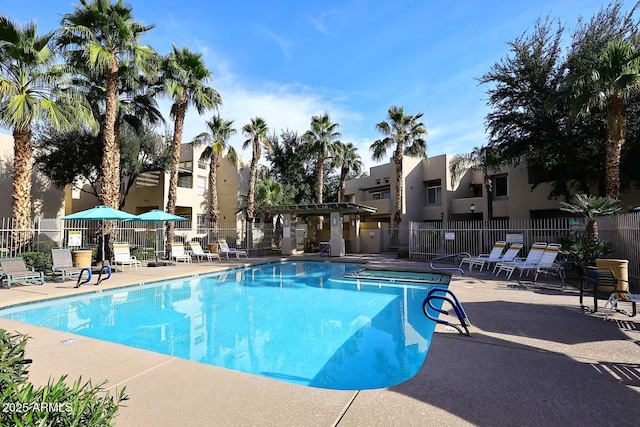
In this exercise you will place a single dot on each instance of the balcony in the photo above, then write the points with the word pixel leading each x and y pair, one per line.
pixel 383 205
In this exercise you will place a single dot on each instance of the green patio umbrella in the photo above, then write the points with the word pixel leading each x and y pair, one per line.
pixel 100 213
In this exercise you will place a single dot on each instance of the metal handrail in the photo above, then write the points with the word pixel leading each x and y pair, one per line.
pixel 458 269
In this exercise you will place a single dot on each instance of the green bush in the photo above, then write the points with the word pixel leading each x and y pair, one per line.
pixel 40 261
pixel 403 253
pixel 55 404
pixel 576 250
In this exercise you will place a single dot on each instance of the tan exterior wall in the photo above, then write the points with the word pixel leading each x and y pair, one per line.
pixel 520 202
pixel 47 200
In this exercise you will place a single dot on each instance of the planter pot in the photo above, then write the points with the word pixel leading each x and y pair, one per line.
pixel 620 268
pixel 213 248
pixel 81 259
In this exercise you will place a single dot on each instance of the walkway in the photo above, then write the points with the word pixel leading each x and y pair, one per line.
pixel 534 359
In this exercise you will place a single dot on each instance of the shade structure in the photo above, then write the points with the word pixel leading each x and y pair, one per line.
pixel 156 215
pixel 100 213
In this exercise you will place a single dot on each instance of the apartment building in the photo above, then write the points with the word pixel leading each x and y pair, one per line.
pixel 430 195
pixel 150 190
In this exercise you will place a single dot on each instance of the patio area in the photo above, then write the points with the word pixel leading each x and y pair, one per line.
pixel 534 358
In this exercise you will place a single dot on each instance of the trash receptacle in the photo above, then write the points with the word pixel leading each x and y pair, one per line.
pixel 620 268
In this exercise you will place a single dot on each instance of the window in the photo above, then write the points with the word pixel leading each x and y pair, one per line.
pixel 434 192
pixel 380 195
pixel 185 166
pixel 202 224
pixel 202 165
pixel 185 181
pixel 377 182
pixel 500 186
pixel 202 186
pixel 386 180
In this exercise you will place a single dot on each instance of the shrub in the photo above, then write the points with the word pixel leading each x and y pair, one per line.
pixel 55 404
pixel 40 261
pixel 403 253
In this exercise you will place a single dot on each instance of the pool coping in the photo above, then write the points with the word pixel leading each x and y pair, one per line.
pixel 517 354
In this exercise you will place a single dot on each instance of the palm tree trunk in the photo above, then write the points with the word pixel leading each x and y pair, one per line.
pixel 397 214
pixel 214 210
pixel 319 181
pixel 21 191
pixel 617 126
pixel 253 172
pixel 343 184
pixel 180 111
pixel 110 184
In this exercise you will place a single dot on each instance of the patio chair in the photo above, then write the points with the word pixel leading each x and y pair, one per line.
pixel 200 253
pixel 533 257
pixel 509 255
pixel 225 249
pixel 15 270
pixel 63 264
pixel 493 256
pixel 603 284
pixel 122 256
pixel 622 296
pixel 179 254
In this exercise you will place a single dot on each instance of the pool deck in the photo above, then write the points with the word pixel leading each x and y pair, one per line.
pixel 534 359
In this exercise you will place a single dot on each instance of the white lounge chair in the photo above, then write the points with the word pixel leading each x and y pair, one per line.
pixel 122 256
pixel 201 253
pixel 224 248
pixel 533 257
pixel 510 255
pixel 179 254
pixel 494 256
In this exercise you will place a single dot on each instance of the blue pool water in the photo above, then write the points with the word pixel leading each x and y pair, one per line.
pixel 301 322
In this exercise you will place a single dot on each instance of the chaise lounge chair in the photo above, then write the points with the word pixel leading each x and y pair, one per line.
pixel 225 249
pixel 122 256
pixel 494 256
pixel 532 259
pixel 179 254
pixel 200 253
pixel 63 264
pixel 15 270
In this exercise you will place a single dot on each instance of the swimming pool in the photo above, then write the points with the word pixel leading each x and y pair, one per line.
pixel 301 322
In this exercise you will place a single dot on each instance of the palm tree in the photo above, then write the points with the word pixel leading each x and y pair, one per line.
pixel 480 159
pixel 322 136
pixel 30 93
pixel 102 35
pixel 611 80
pixel 346 157
pixel 268 193
pixel 591 207
pixel 185 76
pixel 256 134
pixel 220 131
pixel 407 133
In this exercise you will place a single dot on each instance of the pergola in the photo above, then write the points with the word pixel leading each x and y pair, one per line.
pixel 334 210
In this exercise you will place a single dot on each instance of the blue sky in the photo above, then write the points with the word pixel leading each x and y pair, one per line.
pixel 287 60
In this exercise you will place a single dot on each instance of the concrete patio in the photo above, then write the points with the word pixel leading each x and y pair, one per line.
pixel 534 358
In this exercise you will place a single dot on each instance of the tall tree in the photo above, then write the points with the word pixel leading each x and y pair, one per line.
pixel 30 94
pixel 322 137
pixel 216 139
pixel 614 76
pixel 101 35
pixel 293 166
pixel 256 134
pixel 185 77
pixel 347 159
pixel 480 159
pixel 406 132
